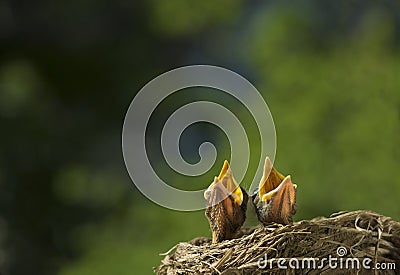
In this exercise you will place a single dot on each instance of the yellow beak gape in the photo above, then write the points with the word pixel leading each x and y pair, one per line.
pixel 269 182
pixel 224 169
pixel 229 183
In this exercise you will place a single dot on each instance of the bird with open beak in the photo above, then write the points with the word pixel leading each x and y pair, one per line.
pixel 226 205
pixel 275 198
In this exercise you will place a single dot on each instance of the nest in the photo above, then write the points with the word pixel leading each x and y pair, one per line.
pixel 348 237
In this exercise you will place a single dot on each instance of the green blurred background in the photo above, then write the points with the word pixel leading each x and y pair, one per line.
pixel 329 71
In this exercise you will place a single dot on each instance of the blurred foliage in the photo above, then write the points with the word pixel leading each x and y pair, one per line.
pixel 191 17
pixel 336 111
pixel 329 71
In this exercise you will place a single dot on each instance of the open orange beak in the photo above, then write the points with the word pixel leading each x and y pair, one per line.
pixel 223 186
pixel 271 182
pixel 279 193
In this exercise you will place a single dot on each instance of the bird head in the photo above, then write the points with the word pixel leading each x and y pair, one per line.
pixel 226 205
pixel 224 186
pixel 278 193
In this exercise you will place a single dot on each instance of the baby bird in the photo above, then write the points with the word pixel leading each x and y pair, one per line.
pixel 275 198
pixel 226 205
